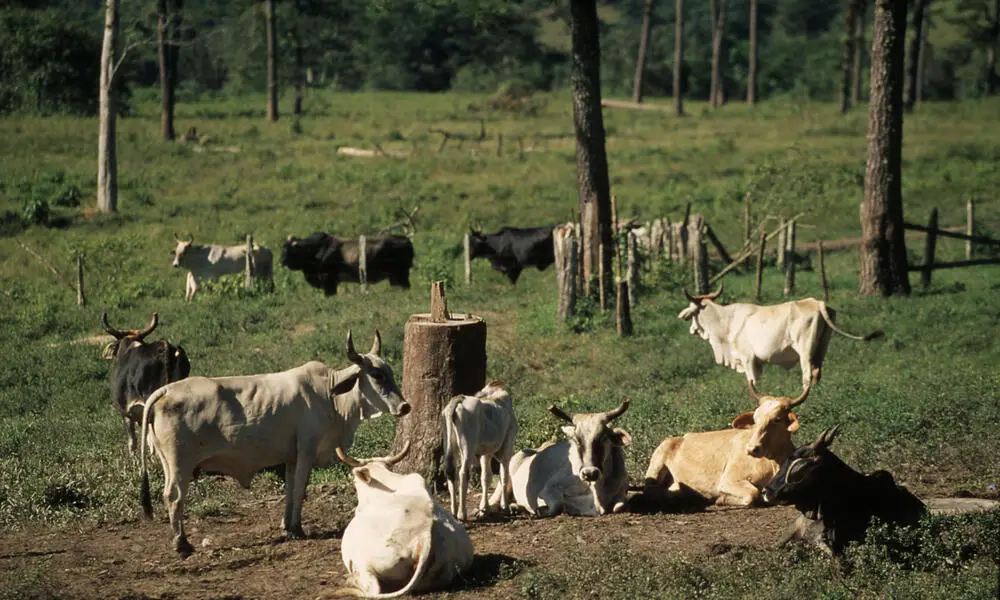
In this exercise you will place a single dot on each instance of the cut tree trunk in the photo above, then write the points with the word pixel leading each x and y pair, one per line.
pixel 883 249
pixel 440 361
pixel 107 155
pixel 640 61
pixel 913 61
pixel 752 66
pixel 591 154
pixel 679 58
pixel 850 20
pixel 272 63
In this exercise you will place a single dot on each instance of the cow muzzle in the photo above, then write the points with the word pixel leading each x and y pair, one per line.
pixel 590 474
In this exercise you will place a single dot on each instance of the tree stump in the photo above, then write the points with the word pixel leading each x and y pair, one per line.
pixel 440 360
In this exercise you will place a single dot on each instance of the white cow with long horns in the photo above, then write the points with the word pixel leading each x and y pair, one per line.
pixel 212 261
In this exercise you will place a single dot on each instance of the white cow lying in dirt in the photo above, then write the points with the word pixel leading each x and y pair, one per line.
pixel 400 540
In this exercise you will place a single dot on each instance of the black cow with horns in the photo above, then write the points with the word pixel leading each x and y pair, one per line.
pixel 327 260
pixel 512 249
pixel 140 368
pixel 838 504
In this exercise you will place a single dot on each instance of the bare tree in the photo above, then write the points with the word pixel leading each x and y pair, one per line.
pixel 272 63
pixel 913 60
pixel 299 69
pixel 883 248
pixel 859 52
pixel 717 9
pixel 679 58
pixel 850 20
pixel 169 16
pixel 640 61
pixel 107 155
pixel 752 67
pixel 591 155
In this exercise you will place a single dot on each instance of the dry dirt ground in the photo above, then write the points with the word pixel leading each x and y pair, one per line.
pixel 243 555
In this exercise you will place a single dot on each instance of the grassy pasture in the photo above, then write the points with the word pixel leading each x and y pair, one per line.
pixel 923 403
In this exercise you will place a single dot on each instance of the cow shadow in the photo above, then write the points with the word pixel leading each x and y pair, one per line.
pixel 489 569
pixel 657 500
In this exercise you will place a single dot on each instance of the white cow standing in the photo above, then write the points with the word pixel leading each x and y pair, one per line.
pixel 483 425
pixel 400 539
pixel 746 336
pixel 240 425
pixel 213 261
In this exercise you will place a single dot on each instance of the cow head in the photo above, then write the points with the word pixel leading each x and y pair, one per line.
pixel 372 476
pixel 771 424
pixel 479 244
pixel 374 382
pixel 698 303
pixel 302 254
pixel 182 247
pixel 124 337
pixel 801 470
pixel 592 440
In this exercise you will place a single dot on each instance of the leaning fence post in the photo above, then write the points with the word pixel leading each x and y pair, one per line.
pixel 746 219
pixel 760 266
pixel 623 312
pixel 699 258
pixel 782 227
pixel 631 267
pixel 790 260
pixel 566 257
pixel 822 271
pixel 970 226
pixel 931 243
pixel 81 300
pixel 248 282
pixel 363 263
pixel 467 246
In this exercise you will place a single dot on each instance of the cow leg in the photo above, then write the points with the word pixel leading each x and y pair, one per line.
pixel 191 288
pixel 463 484
pixel 130 432
pixel 174 490
pixel 753 370
pixel 739 493
pixel 451 496
pixel 513 273
pixel 296 480
pixel 504 482
pixel 485 476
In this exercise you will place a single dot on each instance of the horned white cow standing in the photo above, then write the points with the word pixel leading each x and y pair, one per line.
pixel 212 261
pixel 731 466
pixel 240 425
pixel 584 475
pixel 400 539
pixel 483 425
pixel 746 336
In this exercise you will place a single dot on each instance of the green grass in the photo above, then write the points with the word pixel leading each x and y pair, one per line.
pixel 923 403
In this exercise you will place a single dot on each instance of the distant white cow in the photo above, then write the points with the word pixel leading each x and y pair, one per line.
pixel 483 425
pixel 211 262
pixel 240 425
pixel 746 336
pixel 583 476
pixel 400 539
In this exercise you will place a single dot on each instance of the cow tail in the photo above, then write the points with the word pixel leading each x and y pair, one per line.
pixel 861 338
pixel 423 563
pixel 144 498
pixel 450 439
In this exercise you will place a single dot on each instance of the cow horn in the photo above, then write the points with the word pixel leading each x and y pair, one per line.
pixel 118 334
pixel 614 413
pixel 753 392
pixel 395 458
pixel 826 438
pixel 190 238
pixel 376 344
pixel 347 460
pixel 177 239
pixel 148 330
pixel 555 410
pixel 690 298
pixel 714 294
pixel 352 354
pixel 801 398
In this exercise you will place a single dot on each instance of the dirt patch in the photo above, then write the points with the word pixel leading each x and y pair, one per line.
pixel 301 329
pixel 92 340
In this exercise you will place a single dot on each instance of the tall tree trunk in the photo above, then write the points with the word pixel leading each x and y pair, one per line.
pixel 858 52
pixel 168 27
pixel 883 248
pixel 272 63
pixel 850 18
pixel 717 8
pixel 991 52
pixel 591 156
pixel 922 59
pixel 679 58
pixel 300 73
pixel 913 61
pixel 107 155
pixel 752 67
pixel 640 61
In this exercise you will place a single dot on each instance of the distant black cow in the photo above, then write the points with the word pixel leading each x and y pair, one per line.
pixel 140 368
pixel 837 502
pixel 326 260
pixel 511 249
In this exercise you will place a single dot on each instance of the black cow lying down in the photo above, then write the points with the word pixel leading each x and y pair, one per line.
pixel 838 504
pixel 140 368
pixel 326 260
pixel 512 249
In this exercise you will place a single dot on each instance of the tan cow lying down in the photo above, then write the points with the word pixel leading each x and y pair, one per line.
pixel 241 425
pixel 733 465
pixel 744 337
pixel 400 539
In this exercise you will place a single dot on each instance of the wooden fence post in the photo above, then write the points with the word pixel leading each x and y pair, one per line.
pixel 746 219
pixel 671 243
pixel 684 237
pixel 623 312
pixel 363 263
pixel 81 299
pixel 760 266
pixel 790 260
pixel 970 226
pixel 248 282
pixel 699 259
pixel 822 271
pixel 499 144
pixel 566 258
pixel 931 243
pixel 631 266
pixel 467 245
pixel 782 231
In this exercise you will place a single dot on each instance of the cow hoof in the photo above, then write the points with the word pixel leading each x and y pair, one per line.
pixel 295 533
pixel 183 546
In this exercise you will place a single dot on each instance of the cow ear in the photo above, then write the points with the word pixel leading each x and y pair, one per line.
pixel 793 422
pixel 744 421
pixel 341 387
pixel 569 430
pixel 621 437
pixel 363 474
pixel 110 350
